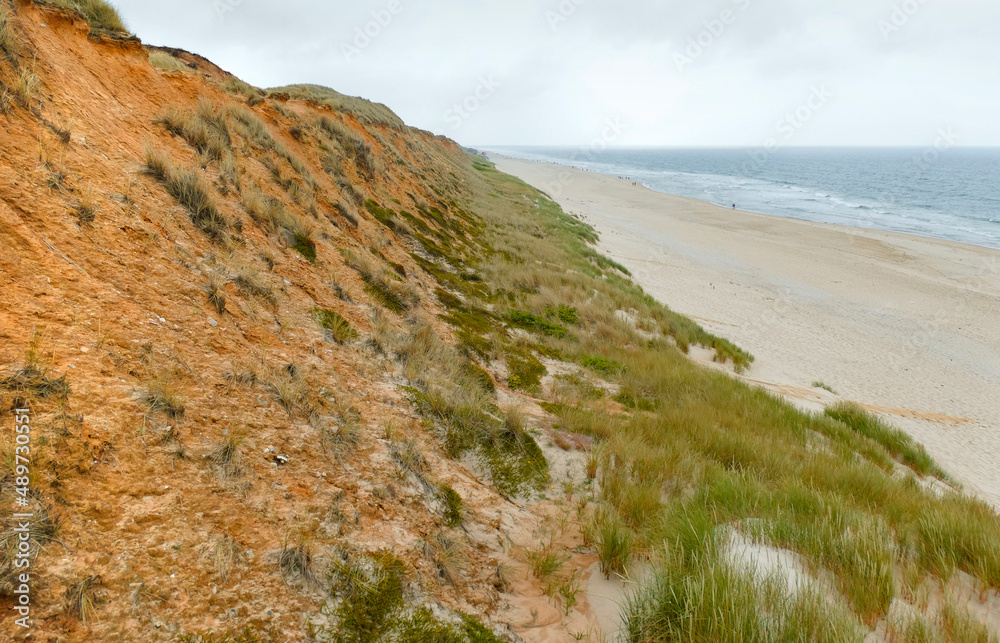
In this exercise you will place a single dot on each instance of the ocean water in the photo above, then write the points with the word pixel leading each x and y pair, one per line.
pixel 943 193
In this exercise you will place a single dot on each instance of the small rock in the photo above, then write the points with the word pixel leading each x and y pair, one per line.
pixel 84 349
pixel 212 322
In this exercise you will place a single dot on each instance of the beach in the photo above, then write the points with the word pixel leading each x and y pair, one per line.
pixel 905 325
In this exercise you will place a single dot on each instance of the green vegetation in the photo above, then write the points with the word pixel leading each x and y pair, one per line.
pixel 369 593
pixel 601 364
pixel 697 453
pixel 703 598
pixel 384 291
pixel 537 323
pixel 369 590
pixel 453 506
pixel 365 111
pixel 613 541
pixel 825 387
pixel 896 442
pixel 337 328
pixel 525 370
pixel 455 402
pixel 100 15
pixel 369 597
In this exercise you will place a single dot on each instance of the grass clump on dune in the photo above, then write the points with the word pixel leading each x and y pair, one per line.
pixel 9 43
pixel 100 15
pixel 190 190
pixel 334 325
pixel 462 409
pixel 537 323
pixel 165 61
pixel 896 442
pixel 365 111
pixel 705 598
pixel 205 130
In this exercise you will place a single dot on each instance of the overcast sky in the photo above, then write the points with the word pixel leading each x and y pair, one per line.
pixel 633 72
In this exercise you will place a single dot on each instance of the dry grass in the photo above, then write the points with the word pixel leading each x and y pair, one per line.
pixel 297 564
pixel 86 208
pixel 100 15
pixel 81 599
pixel 27 87
pixel 162 60
pixel 10 44
pixel 207 130
pixel 287 387
pixel 215 290
pixel 162 396
pixel 189 189
pixel 226 553
pixel 268 212
pixel 226 458
pixel 365 111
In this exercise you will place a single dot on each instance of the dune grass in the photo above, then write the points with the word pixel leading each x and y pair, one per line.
pixel 165 61
pixel 100 15
pixel 334 325
pixel 365 111
pixel 190 190
pixel 897 443
pixel 697 451
pixel 10 44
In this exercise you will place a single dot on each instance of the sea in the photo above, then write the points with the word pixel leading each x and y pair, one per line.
pixel 940 192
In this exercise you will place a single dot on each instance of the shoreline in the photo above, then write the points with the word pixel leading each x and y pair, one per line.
pixel 895 321
pixel 499 155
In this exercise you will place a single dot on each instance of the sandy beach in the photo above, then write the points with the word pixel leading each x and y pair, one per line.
pixel 906 325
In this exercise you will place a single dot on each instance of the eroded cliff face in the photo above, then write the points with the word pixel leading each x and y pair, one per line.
pixel 196 281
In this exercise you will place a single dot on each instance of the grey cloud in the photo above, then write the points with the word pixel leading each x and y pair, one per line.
pixel 558 82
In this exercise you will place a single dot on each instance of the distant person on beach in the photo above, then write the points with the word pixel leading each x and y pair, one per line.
pixel 734 206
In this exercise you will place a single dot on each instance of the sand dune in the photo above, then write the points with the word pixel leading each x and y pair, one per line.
pixel 905 325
